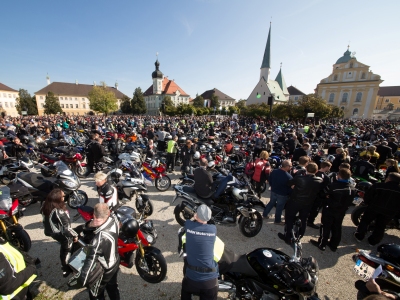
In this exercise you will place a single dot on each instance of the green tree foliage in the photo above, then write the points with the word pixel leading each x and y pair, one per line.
pixel 198 101
pixel 167 101
pixel 185 109
pixel 233 110
pixel 241 103
pixel 125 106
pixel 138 104
pixel 25 100
pixel 51 104
pixel 102 100
pixel 214 102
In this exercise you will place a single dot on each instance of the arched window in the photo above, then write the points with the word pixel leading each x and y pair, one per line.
pixel 351 65
pixel 363 75
pixel 358 97
pixel 344 97
pixel 355 111
pixel 335 78
pixel 331 97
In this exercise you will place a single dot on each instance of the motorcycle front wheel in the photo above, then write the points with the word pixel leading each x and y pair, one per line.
pixel 163 183
pixel 20 239
pixel 181 215
pixel 75 201
pixel 81 172
pixel 146 208
pixel 152 267
pixel 251 226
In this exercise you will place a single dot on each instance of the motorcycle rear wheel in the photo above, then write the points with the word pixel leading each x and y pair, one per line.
pixel 163 183
pixel 75 203
pixel 155 264
pixel 250 227
pixel 20 239
pixel 147 209
pixel 357 214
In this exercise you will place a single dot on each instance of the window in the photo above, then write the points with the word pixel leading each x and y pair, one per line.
pixel 84 105
pixel 61 98
pixel 83 99
pixel 76 106
pixel 11 104
pixel 387 100
pixel 351 65
pixel 331 97
pixel 76 99
pixel 70 98
pixel 13 95
pixel 335 78
pixel 66 105
pixel 358 97
pixel 62 105
pixel 42 105
pixel 344 97
pixel 9 95
pixel 342 108
pixel 355 111
pixel 4 95
pixel 363 75
pixel 41 97
pixel 399 100
pixel 6 104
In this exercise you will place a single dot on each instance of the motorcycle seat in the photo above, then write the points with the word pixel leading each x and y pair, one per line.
pixel 232 262
pixel 36 180
pixel 191 192
pixel 50 157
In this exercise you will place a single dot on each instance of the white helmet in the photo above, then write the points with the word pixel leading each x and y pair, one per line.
pixel 196 155
pixel 211 164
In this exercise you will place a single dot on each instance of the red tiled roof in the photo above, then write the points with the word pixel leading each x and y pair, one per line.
pixel 169 87
pixel 3 87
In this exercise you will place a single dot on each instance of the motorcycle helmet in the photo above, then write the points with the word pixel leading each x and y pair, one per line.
pixel 330 158
pixel 130 228
pixel 202 148
pixel 218 149
pixel 24 139
pixel 390 252
pixel 211 164
pixel 168 137
pixel 363 186
pixel 196 155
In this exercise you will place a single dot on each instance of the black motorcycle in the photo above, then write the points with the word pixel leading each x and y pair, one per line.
pixel 225 211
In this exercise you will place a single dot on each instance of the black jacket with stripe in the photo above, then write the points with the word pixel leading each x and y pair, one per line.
pixel 339 195
pixel 58 223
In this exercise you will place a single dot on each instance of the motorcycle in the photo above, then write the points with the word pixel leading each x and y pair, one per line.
pixel 11 230
pixel 383 265
pixel 269 274
pixel 226 212
pixel 155 171
pixel 66 180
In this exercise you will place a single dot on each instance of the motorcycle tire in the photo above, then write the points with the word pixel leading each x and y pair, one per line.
pixel 357 213
pixel 20 239
pixel 163 183
pixel 259 208
pixel 246 226
pixel 75 203
pixel 181 215
pixel 81 172
pixel 156 268
pixel 146 209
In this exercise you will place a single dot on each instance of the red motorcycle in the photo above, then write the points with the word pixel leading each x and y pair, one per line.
pixel 74 161
pixel 156 171
pixel 149 261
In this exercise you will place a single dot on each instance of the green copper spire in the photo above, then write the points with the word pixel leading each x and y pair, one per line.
pixel 281 81
pixel 266 63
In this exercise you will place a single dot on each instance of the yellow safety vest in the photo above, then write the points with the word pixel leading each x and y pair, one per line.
pixel 171 147
pixel 17 262
pixel 219 247
pixel 306 128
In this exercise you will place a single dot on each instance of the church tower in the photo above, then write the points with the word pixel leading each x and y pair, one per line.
pixel 158 77
pixel 281 81
pixel 266 63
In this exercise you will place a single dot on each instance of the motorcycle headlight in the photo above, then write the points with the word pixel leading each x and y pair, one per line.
pixel 150 239
pixel 69 184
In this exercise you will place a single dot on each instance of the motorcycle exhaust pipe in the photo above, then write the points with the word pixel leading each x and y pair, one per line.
pixel 226 286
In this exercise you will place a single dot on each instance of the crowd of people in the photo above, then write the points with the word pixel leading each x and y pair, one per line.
pixel 305 183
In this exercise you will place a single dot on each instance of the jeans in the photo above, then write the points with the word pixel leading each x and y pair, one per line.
pixel 222 183
pixel 279 201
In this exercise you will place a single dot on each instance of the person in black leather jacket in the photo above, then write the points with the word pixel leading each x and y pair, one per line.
pixel 363 167
pixel 103 232
pixel 383 204
pixel 58 225
pixel 17 148
pixel 115 144
pixel 339 196
pixel 305 190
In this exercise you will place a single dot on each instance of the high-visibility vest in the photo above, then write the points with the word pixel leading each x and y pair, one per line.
pixel 219 247
pixel 306 128
pixel 17 262
pixel 171 147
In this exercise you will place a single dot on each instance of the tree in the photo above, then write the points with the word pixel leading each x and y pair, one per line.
pixel 125 106
pixel 25 100
pixel 214 102
pixel 198 101
pixel 167 101
pixel 138 104
pixel 51 104
pixel 390 106
pixel 241 103
pixel 102 100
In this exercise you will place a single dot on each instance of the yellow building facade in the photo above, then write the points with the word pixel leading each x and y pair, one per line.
pixel 351 86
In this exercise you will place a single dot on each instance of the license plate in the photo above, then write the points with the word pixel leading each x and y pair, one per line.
pixel 363 270
pixel 358 201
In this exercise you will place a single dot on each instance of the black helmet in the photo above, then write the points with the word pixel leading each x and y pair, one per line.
pixel 363 186
pixel 390 252
pixel 24 139
pixel 130 228
pixel 218 149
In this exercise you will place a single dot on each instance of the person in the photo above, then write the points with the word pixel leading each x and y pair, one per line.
pixel 228 147
pixel 341 157
pixel 97 151
pixel 280 191
pixel 161 134
pixel 392 166
pixel 88 150
pixel 317 205
pixel 363 168
pixel 201 276
pixel 150 149
pixel 57 225
pixel 339 196
pixel 384 152
pixel 382 200
pixel 305 190
pixel 17 272
pixel 261 171
pixel 17 148
pixel 393 144
pixel 259 144
pixel 302 151
pixel 102 249
pixel 114 145
pixel 172 149
pixel 204 184
pixel 371 151
pixel 300 169
pixel 187 155
pixel 107 193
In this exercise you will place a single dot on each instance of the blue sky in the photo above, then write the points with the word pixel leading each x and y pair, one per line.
pixel 202 44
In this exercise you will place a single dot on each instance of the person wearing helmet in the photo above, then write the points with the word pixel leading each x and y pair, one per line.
pixel 363 168
pixel 382 200
pixel 107 193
